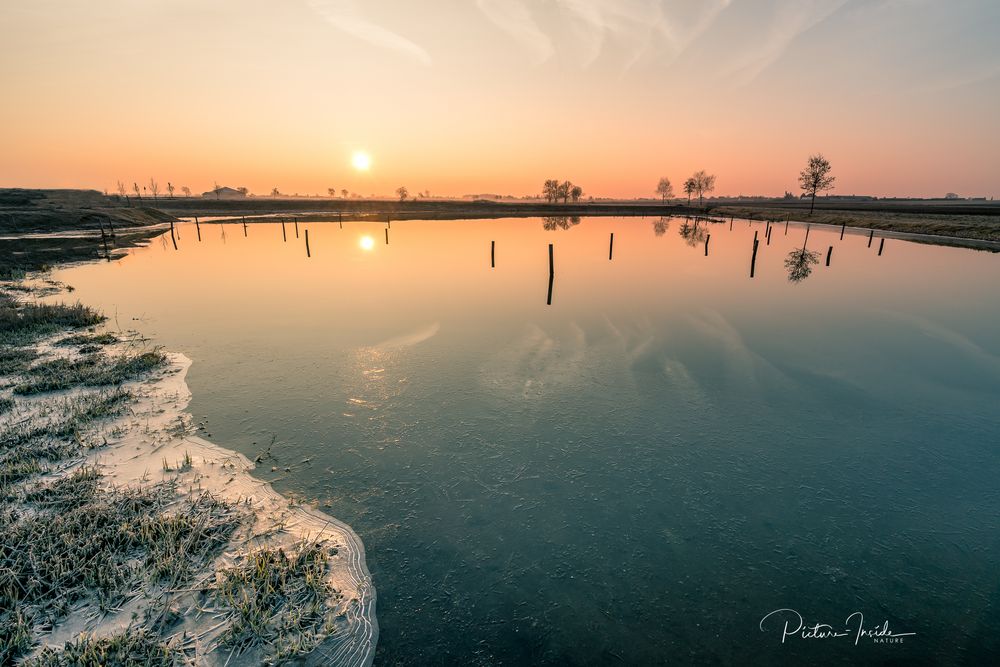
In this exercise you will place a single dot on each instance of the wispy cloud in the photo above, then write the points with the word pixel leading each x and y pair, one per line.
pixel 514 18
pixel 790 20
pixel 345 16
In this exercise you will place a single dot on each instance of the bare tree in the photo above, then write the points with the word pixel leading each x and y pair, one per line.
pixel 703 184
pixel 154 187
pixel 332 192
pixel 244 190
pixel 170 189
pixel 551 191
pixel 186 190
pixel 402 193
pixel 344 193
pixel 564 190
pixel 121 191
pixel 816 178
pixel 690 187
pixel 575 193
pixel 275 192
pixel 217 190
pixel 135 189
pixel 665 189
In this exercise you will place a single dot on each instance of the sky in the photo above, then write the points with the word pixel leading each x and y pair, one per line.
pixel 495 96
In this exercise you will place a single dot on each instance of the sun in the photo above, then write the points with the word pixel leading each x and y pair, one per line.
pixel 366 243
pixel 361 161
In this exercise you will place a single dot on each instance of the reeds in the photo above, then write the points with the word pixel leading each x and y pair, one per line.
pixel 89 371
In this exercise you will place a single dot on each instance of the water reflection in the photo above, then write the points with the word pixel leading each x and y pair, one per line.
pixel 799 264
pixel 661 226
pixel 554 222
pixel 693 234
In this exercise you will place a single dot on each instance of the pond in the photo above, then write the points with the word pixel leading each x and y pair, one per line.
pixel 639 471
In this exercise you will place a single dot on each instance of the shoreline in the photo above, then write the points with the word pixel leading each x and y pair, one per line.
pixel 148 445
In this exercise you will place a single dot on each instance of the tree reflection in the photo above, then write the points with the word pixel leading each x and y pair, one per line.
pixel 799 262
pixel 554 222
pixel 661 226
pixel 692 234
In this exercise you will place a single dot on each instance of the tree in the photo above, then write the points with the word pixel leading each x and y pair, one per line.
pixel 564 190
pixel 665 189
pixel 551 191
pixel 170 189
pixel 332 192
pixel 186 190
pixel 121 191
pixel 135 189
pixel 275 192
pixel 344 193
pixel 402 193
pixel 243 190
pixel 575 193
pixel 154 187
pixel 816 178
pixel 703 183
pixel 690 186
pixel 217 190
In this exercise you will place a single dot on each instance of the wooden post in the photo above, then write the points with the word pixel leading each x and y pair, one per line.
pixel 753 260
pixel 730 224
pixel 284 236
pixel 198 227
pixel 387 236
pixel 340 219
pixel 552 275
pixel 707 238
pixel 111 229
pixel 296 227
pixel 552 270
pixel 842 228
pixel 769 235
pixel 172 237
pixel 828 253
pixel 786 228
pixel 755 236
pixel 244 225
pixel 871 235
pixel 611 247
pixel 493 254
pixel 881 244
pixel 308 254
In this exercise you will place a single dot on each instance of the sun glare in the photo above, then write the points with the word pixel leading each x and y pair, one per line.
pixel 361 161
pixel 366 243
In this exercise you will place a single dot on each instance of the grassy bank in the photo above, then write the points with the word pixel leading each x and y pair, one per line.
pixel 134 565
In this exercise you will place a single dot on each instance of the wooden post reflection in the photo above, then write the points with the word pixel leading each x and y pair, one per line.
pixel 611 247
pixel 707 238
pixel 828 253
pixel 871 235
pixel 753 260
pixel 308 254
pixel 493 254
pixel 197 226
pixel 284 236
pixel 881 244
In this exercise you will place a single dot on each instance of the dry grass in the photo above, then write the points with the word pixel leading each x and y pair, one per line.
pixel 88 371
pixel 277 601
pixel 23 323
pixel 134 647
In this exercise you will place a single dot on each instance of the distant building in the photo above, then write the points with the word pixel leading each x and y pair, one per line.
pixel 224 193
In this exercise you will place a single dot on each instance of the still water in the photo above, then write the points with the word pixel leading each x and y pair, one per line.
pixel 636 473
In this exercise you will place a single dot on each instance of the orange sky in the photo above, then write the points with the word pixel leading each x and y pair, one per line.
pixel 498 95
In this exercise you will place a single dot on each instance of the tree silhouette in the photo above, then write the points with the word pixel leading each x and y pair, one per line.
pixel 665 189
pixel 692 234
pixel 186 190
pixel 170 189
pixel 690 186
pixel 343 193
pixel 551 191
pixel 553 222
pixel 816 178
pixel 135 189
pixel 575 193
pixel 121 191
pixel 154 187
pixel 661 226
pixel 703 183
pixel 402 193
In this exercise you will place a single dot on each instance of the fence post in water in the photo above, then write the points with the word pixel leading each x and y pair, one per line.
pixel 611 247
pixel 707 238
pixel 768 235
pixel 828 253
pixel 730 224
pixel 493 254
pixel 387 236
pixel 842 228
pixel 753 260
pixel 340 219
pixel 755 236
pixel 786 227
pixel 244 225
pixel 871 235
pixel 197 226
pixel 552 270
pixel 284 236
pixel 881 244
pixel 308 254
pixel 296 227
pixel 172 237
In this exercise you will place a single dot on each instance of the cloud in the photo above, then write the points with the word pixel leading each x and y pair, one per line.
pixel 788 22
pixel 345 16
pixel 514 18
